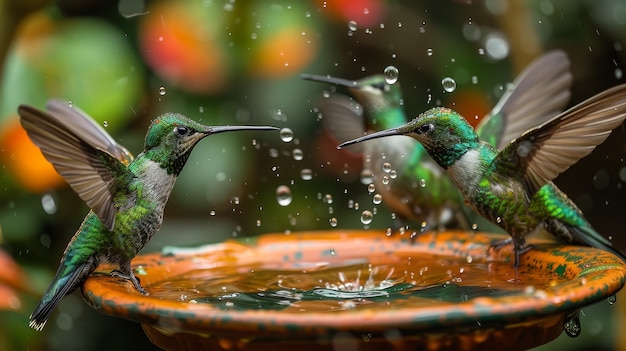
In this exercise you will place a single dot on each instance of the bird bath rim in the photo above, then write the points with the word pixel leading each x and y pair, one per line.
pixel 590 276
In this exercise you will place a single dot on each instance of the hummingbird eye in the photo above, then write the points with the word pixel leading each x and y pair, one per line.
pixel 425 128
pixel 181 130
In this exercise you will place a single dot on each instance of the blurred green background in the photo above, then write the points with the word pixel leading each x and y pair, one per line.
pixel 238 62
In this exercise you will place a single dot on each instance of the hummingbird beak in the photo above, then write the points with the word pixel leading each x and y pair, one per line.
pixel 380 134
pixel 221 129
pixel 329 79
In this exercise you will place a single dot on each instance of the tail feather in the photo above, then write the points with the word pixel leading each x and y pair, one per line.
pixel 60 286
pixel 588 236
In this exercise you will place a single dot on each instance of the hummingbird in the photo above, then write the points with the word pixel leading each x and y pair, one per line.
pixel 512 187
pixel 126 195
pixel 421 191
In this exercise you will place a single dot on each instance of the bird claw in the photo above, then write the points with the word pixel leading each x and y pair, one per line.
pixel 132 278
pixel 518 250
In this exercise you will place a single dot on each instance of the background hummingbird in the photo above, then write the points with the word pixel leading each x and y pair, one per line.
pixel 127 196
pixel 512 187
pixel 421 191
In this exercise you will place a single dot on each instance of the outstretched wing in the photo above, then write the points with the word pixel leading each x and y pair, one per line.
pixel 81 124
pixel 539 93
pixel 543 152
pixel 79 150
pixel 343 118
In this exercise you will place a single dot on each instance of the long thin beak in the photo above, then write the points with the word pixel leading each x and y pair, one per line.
pixel 221 129
pixel 380 134
pixel 329 79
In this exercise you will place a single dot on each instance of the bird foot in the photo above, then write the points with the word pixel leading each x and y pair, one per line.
pixel 132 278
pixel 518 250
pixel 497 245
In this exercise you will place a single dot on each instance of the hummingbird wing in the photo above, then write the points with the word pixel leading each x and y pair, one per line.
pixel 542 153
pixel 343 118
pixel 82 124
pixel 81 155
pixel 539 93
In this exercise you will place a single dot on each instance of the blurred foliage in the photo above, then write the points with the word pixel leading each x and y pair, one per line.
pixel 238 62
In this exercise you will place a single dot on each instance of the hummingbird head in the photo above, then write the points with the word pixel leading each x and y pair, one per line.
pixel 372 92
pixel 445 135
pixel 171 138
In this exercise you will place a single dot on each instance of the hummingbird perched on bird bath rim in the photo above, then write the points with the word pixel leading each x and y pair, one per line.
pixel 512 186
pixel 126 195
pixel 421 191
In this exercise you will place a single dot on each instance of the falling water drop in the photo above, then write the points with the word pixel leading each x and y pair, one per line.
pixel 48 204
pixel 297 154
pixel 352 26
pixel 367 177
pixel 572 326
pixel 328 199
pixel 306 174
pixel 423 183
pixel 283 195
pixel 429 52
pixel 162 91
pixel 105 124
pixel 367 217
pixel 386 167
pixel 286 135
pixel 391 74
pixel 377 199
pixel 332 222
pixel 449 84
pixel 371 188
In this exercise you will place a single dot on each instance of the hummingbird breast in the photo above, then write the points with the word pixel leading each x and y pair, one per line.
pixel 141 212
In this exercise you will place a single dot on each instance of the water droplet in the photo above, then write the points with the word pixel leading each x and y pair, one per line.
pixel 386 167
pixel 371 188
pixel 105 124
pixel 212 213
pixel 423 183
pixel 572 326
pixel 332 222
pixel 48 204
pixel 618 73
pixel 367 177
pixel 611 299
pixel 498 219
pixel 391 74
pixel 306 174
pixel 449 84
pixel 286 135
pixel 162 91
pixel 328 199
pixel 367 217
pixel 377 199
pixel 352 26
pixel 429 52
pixel 385 180
pixel 474 226
pixel 474 80
pixel 283 195
pixel 297 154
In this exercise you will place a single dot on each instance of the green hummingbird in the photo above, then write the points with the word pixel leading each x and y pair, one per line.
pixel 512 187
pixel 420 191
pixel 126 195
